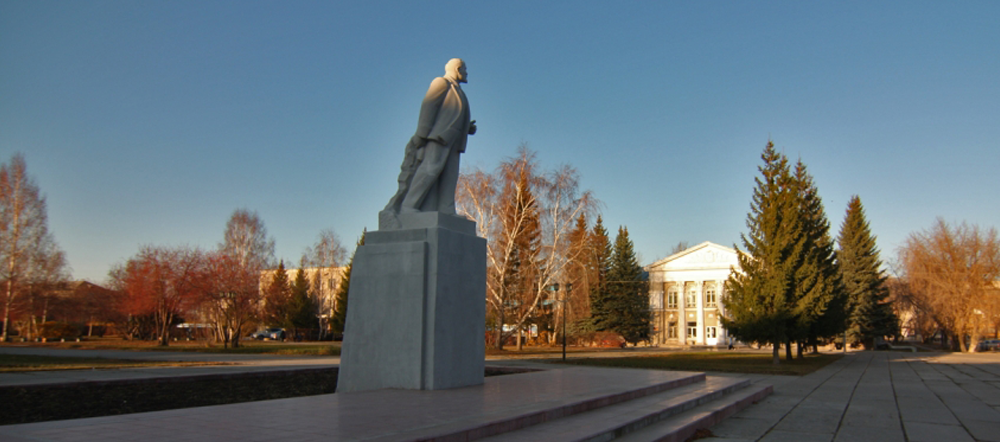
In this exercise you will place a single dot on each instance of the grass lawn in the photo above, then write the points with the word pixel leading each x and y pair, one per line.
pixel 512 351
pixel 733 362
pixel 319 349
pixel 246 347
pixel 18 363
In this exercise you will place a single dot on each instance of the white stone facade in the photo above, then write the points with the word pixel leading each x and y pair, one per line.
pixel 685 295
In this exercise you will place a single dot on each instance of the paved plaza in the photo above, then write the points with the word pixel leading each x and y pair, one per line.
pixel 878 396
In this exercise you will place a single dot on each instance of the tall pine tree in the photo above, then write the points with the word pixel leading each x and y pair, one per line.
pixel 819 309
pixel 578 273
pixel 627 293
pixel 276 297
pixel 762 293
pixel 340 311
pixel 600 250
pixel 524 236
pixel 302 308
pixel 871 314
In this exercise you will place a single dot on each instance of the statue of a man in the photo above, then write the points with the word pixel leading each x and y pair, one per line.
pixel 429 173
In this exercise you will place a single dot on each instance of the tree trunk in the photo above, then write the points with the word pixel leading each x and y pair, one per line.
pixel 165 330
pixel 500 331
pixel 776 355
pixel 798 349
pixel 237 331
pixel 7 303
pixel 788 350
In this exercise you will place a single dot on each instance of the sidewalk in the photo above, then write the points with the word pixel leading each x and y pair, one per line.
pixel 878 396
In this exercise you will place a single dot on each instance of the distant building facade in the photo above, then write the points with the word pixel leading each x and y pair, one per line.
pixel 685 295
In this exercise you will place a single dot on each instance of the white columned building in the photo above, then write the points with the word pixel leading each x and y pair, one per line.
pixel 685 295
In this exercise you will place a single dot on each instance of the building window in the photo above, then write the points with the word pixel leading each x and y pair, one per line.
pixel 692 299
pixel 672 299
pixel 710 298
pixel 672 330
pixel 692 330
pixel 710 332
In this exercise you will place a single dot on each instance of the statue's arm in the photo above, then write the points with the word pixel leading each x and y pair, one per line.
pixel 430 107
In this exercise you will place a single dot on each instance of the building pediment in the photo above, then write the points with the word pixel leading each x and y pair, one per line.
pixel 706 255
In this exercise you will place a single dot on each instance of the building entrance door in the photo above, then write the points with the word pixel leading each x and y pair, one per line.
pixel 711 338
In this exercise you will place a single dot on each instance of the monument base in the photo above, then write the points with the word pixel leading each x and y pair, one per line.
pixel 417 307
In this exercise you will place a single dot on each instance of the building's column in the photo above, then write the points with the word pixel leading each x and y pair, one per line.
pixel 661 307
pixel 681 314
pixel 700 299
pixel 719 293
pixel 665 316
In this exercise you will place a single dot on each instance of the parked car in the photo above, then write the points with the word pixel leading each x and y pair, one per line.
pixel 989 345
pixel 273 334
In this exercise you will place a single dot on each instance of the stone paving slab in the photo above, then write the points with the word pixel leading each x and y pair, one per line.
pixel 382 415
pixel 878 396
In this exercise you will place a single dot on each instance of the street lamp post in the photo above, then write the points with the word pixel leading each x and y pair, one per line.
pixel 555 288
pixel 569 286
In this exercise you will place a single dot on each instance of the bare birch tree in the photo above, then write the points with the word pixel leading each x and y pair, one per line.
pixel 28 252
pixel 246 240
pixel 327 257
pixel 951 272
pixel 508 205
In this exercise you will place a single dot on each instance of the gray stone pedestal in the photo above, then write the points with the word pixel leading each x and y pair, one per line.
pixel 417 310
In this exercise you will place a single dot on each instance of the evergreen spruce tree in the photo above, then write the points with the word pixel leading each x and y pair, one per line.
pixel 600 250
pixel 628 292
pixel 276 301
pixel 302 308
pixel 761 295
pixel 871 314
pixel 578 274
pixel 522 269
pixel 819 309
pixel 340 312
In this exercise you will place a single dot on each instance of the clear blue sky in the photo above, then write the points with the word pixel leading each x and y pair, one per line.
pixel 148 122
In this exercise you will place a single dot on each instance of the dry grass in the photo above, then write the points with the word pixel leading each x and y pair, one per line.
pixel 21 363
pixel 246 347
pixel 732 362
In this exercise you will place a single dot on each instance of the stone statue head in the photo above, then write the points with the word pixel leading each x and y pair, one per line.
pixel 455 70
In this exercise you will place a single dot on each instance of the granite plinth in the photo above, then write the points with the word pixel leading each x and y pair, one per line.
pixel 417 309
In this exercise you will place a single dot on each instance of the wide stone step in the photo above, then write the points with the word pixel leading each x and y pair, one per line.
pixel 682 426
pixel 624 418
pixel 544 398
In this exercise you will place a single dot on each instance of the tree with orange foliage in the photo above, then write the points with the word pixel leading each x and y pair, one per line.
pixel 231 296
pixel 163 283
